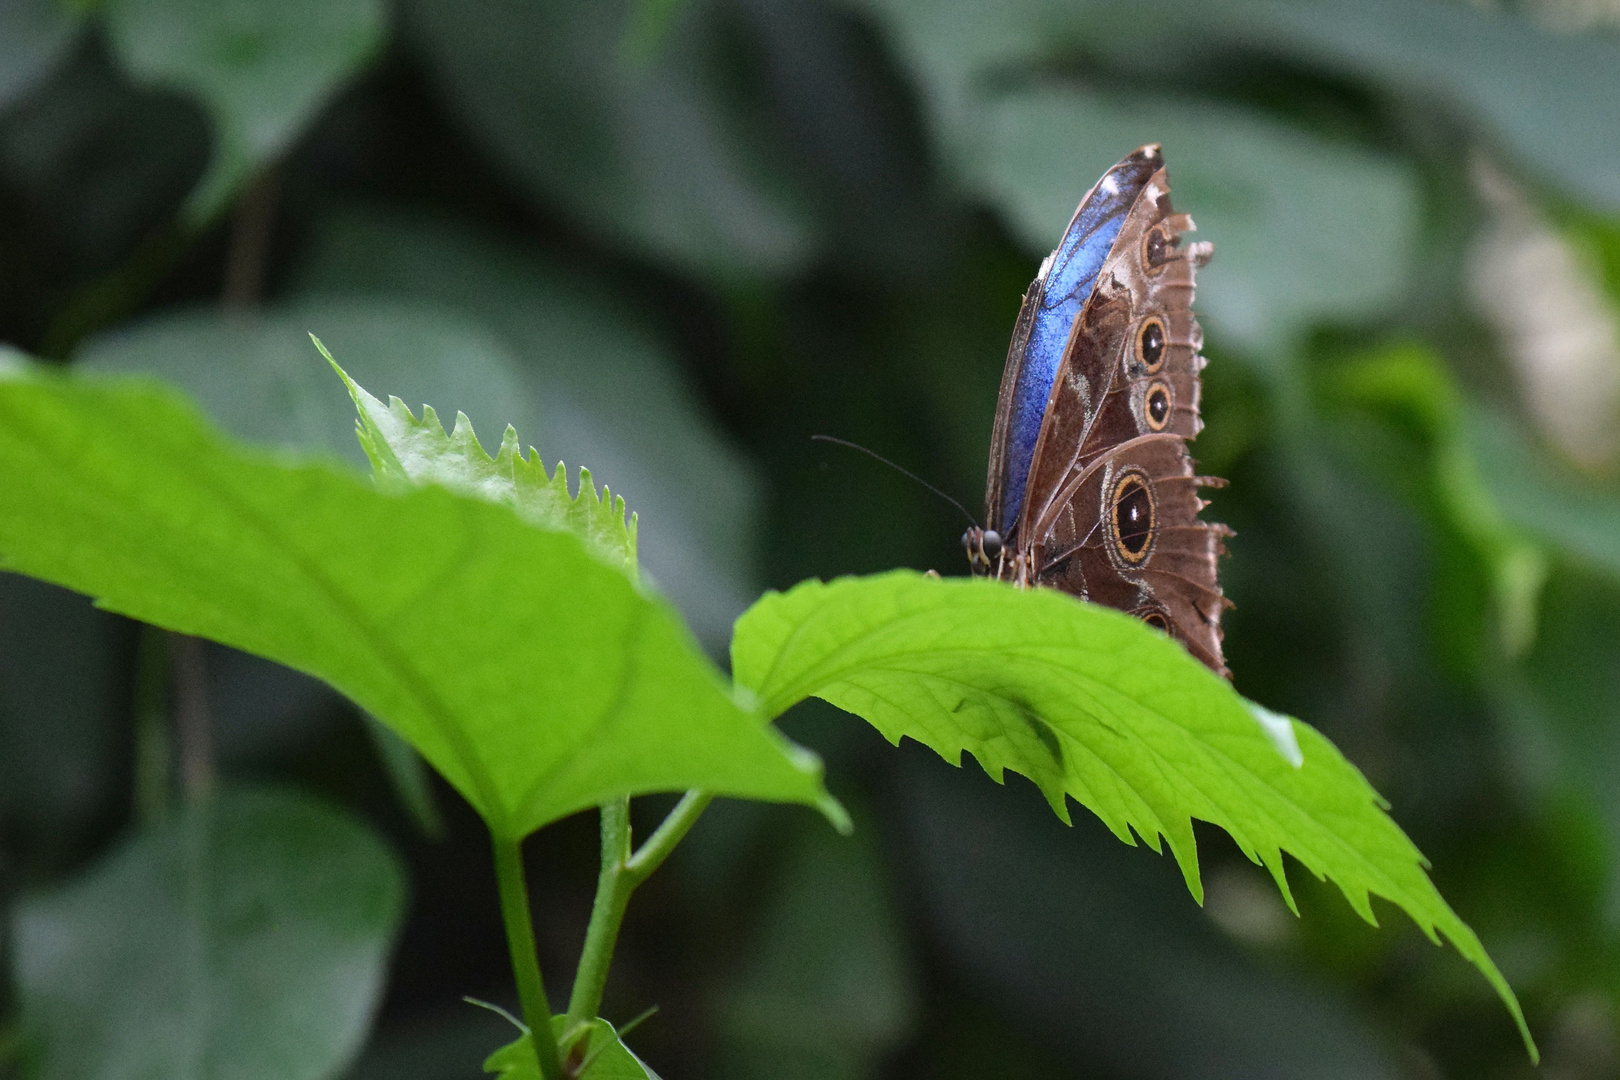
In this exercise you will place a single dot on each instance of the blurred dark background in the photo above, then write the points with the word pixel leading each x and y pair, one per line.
pixel 672 240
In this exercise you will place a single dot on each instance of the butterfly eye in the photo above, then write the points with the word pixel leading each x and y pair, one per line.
pixel 1150 345
pixel 992 545
pixel 1132 517
pixel 1156 406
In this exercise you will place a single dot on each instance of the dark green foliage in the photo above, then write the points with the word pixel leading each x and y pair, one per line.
pixel 671 240
pixel 245 936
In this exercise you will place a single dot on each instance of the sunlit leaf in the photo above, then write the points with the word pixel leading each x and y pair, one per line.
pixel 1092 705
pixel 246 937
pixel 408 452
pixel 263 70
pixel 595 383
pixel 601 1053
pixel 1082 939
pixel 534 675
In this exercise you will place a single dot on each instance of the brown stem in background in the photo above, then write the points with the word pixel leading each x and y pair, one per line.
pixel 251 227
pixel 192 727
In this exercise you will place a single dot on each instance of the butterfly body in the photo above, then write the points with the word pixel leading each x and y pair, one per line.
pixel 1091 488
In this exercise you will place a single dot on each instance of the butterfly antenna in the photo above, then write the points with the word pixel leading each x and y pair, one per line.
pixel 902 471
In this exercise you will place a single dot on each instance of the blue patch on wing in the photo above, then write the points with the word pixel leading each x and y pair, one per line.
pixel 1063 292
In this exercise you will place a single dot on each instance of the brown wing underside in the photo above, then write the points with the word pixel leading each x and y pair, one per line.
pixel 1111 507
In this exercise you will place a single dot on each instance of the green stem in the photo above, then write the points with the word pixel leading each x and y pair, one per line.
pixel 621 873
pixel 668 834
pixel 613 891
pixel 525 961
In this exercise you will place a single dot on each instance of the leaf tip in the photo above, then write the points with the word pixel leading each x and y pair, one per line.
pixel 836 815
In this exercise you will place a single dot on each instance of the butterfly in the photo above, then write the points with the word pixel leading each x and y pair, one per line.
pixel 1091 488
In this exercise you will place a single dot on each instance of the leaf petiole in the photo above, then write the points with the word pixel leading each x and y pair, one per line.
pixel 622 872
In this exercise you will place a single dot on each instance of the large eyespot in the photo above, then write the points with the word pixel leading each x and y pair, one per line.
pixel 1150 345
pixel 1131 516
pixel 1156 406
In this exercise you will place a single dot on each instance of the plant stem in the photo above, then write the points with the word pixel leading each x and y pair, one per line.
pixel 525 961
pixel 621 873
pixel 192 723
pixel 152 742
pixel 669 833
pixel 252 224
pixel 607 913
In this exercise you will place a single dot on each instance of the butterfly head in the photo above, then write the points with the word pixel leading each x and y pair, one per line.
pixel 984 547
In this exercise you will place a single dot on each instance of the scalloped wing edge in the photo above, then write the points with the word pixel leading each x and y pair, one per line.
pixel 406 451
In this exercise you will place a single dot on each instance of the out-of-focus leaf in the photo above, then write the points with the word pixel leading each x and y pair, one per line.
pixel 1568 692
pixel 1572 511
pixel 601 1052
pixel 413 786
pixel 245 937
pixel 1303 230
pixel 1545 98
pixel 260 379
pixel 440 1045
pixel 827 989
pixel 1095 706
pixel 1082 945
pixel 650 155
pixel 1409 384
pixel 1539 291
pixel 33 34
pixel 62 704
pixel 604 389
pixel 536 677
pixel 92 165
pixel 263 70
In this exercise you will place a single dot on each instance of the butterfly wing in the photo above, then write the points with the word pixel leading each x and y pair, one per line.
pixel 1111 502
pixel 1040 339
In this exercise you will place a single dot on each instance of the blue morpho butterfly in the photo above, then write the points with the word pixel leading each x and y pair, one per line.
pixel 1091 489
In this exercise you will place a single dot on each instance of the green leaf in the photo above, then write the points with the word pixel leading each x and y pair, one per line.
pixel 1409 383
pixel 1092 705
pixel 406 452
pixel 537 678
pixel 607 388
pixel 1278 203
pixel 1578 513
pixel 1543 97
pixel 601 1053
pixel 33 35
pixel 246 937
pixel 827 988
pixel 64 708
pixel 650 154
pixel 262 70
pixel 409 777
pixel 260 379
